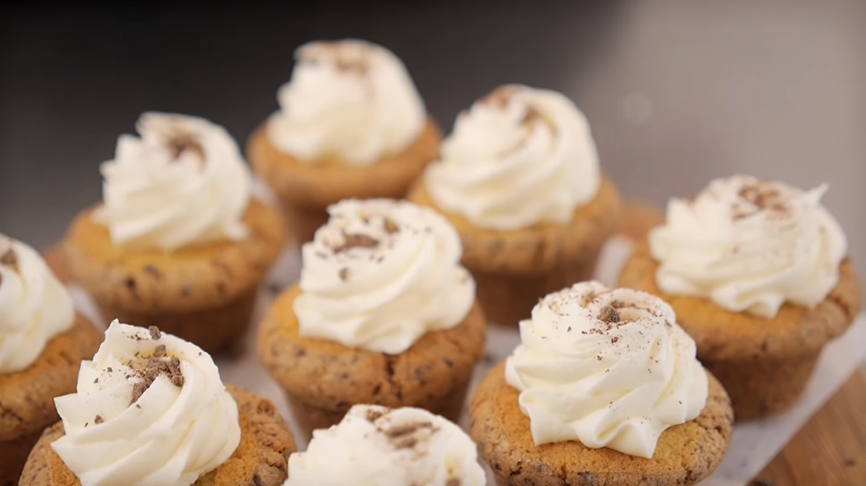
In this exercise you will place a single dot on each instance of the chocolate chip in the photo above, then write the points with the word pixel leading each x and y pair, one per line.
pixel 98 419
pixel 155 333
pixel 374 414
pixel 344 274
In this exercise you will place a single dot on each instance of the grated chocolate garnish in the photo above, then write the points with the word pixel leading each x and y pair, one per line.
pixel 356 240
pixel 152 368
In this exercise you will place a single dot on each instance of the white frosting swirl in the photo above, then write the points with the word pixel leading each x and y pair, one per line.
pixel 519 157
pixel 348 99
pixel 177 430
pixel 380 275
pixel 606 367
pixel 749 245
pixel 375 446
pixel 184 182
pixel 34 306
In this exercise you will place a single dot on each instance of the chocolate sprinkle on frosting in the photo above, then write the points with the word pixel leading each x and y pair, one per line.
pixel 390 226
pixel 183 142
pixel 356 240
pixel 608 315
pixel 152 369
pixel 9 258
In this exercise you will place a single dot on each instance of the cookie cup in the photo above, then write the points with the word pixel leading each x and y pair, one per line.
pixel 685 453
pixel 306 189
pixel 27 396
pixel 513 269
pixel 204 294
pixel 259 460
pixel 764 364
pixel 322 379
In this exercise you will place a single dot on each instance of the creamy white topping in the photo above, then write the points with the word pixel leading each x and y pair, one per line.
pixel 351 100
pixel 184 182
pixel 606 367
pixel 34 306
pixel 375 446
pixel 380 274
pixel 150 410
pixel 519 157
pixel 750 245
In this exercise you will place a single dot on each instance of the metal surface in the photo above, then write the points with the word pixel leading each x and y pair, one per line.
pixel 677 92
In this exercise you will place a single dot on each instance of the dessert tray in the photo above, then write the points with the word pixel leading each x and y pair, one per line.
pixel 754 444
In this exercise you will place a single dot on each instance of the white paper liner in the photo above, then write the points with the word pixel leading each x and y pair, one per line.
pixel 754 443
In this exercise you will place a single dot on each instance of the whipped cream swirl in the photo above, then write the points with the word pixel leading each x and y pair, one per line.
pixel 150 409
pixel 350 100
pixel 184 182
pixel 34 306
pixel 376 446
pixel 519 157
pixel 749 245
pixel 606 367
pixel 380 274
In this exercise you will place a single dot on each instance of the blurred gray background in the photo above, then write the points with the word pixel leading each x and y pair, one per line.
pixel 677 92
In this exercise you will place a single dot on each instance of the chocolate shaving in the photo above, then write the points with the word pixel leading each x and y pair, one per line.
pixel 152 369
pixel 182 142
pixel 9 258
pixel 98 419
pixel 390 226
pixel 608 315
pixel 762 197
pixel 356 240
pixel 500 97
pixel 373 415
pixel 403 436
pixel 155 333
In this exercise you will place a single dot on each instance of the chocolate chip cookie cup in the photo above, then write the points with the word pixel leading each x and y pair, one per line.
pixel 41 341
pixel 383 314
pixel 758 275
pixel 351 125
pixel 178 241
pixel 154 408
pixel 520 181
pixel 603 389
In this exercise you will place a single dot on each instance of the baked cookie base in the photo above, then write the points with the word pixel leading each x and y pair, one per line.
pixel 13 455
pixel 513 269
pixel 204 294
pixel 685 454
pixel 764 364
pixel 323 379
pixel 217 330
pixel 508 299
pixel 27 396
pixel 307 189
pixel 260 459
